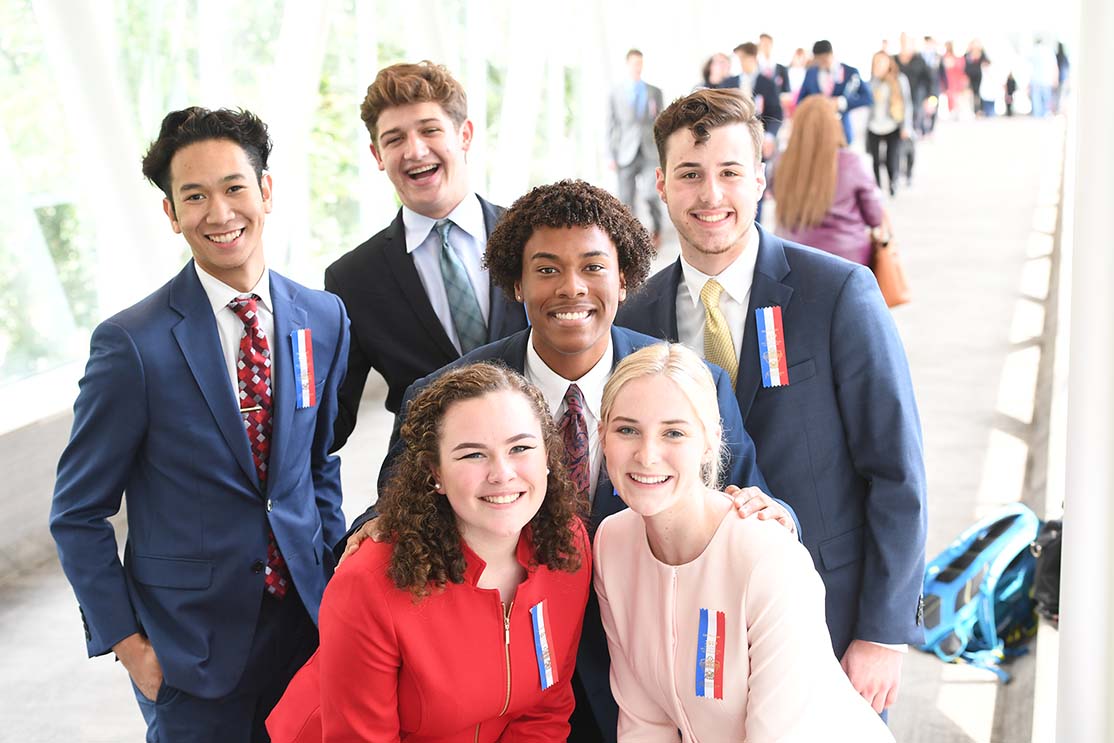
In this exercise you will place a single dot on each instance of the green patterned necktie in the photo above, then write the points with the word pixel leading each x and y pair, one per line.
pixel 467 317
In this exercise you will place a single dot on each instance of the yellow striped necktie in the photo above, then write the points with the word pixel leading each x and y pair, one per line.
pixel 719 348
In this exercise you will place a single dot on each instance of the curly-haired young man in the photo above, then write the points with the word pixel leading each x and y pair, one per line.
pixel 211 404
pixel 417 291
pixel 571 252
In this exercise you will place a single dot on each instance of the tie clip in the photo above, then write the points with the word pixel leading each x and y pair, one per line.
pixel 252 409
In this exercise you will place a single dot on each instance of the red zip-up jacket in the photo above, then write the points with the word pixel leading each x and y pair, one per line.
pixel 455 666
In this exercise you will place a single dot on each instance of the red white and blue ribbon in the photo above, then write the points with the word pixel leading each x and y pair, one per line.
pixel 709 654
pixel 547 668
pixel 301 342
pixel 771 347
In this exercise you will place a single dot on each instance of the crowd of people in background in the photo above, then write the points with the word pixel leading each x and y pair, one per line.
pixel 584 457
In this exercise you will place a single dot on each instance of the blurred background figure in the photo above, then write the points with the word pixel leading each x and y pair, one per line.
pixel 931 56
pixel 632 108
pixel 891 120
pixel 921 79
pixel 835 80
pixel 991 88
pixel 1063 68
pixel 825 196
pixel 798 68
pixel 767 67
pixel 1044 77
pixel 717 73
pixel 973 67
pixel 954 74
pixel 767 102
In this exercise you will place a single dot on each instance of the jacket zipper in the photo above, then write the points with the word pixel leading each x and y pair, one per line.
pixel 507 658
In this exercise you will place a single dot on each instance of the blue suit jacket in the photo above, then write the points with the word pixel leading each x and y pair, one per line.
pixel 593 662
pixel 851 88
pixel 157 418
pixel 842 442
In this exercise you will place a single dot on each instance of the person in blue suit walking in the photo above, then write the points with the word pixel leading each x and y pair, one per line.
pixel 210 404
pixel 836 80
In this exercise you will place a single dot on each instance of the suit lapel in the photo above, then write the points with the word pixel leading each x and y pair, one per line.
pixel 402 266
pixel 766 290
pixel 196 335
pixel 497 300
pixel 288 318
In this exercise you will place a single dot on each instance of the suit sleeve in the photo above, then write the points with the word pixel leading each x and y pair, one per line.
pixel 879 412
pixel 326 466
pixel 641 718
pixel 613 127
pixel 771 110
pixel 110 422
pixel 351 389
pixel 867 195
pixel 857 92
pixel 787 642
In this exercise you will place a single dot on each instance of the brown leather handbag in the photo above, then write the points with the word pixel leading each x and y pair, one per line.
pixel 889 273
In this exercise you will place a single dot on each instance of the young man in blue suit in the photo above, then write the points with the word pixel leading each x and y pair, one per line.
pixel 835 80
pixel 417 292
pixel 822 379
pixel 210 404
pixel 570 252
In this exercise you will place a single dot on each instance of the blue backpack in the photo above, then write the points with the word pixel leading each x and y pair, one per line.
pixel 978 604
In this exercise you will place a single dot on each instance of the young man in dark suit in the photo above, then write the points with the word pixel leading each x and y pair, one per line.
pixel 211 404
pixel 768 68
pixel 822 379
pixel 570 252
pixel 417 292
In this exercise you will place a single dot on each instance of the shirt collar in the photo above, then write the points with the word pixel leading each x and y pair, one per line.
pixel 468 215
pixel 553 386
pixel 736 279
pixel 220 293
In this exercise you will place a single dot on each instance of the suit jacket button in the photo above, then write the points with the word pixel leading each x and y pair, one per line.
pixel 268 505
pixel 257 566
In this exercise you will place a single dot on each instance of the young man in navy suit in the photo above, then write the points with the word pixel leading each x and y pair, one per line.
pixel 211 404
pixel 570 252
pixel 835 80
pixel 822 379
pixel 417 292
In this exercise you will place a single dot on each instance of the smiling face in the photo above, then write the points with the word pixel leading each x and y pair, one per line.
pixel 423 153
pixel 492 465
pixel 219 207
pixel 711 190
pixel 655 445
pixel 571 285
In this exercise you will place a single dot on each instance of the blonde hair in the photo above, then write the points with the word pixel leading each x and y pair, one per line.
pixel 684 368
pixel 897 97
pixel 806 175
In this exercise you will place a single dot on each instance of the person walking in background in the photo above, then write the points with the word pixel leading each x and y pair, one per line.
pixel 991 88
pixel 417 291
pixel 1063 71
pixel 480 584
pixel 825 196
pixel 211 405
pixel 836 380
pixel 954 73
pixel 837 81
pixel 891 122
pixel 973 68
pixel 919 78
pixel 632 108
pixel 768 67
pixel 1044 78
pixel 1011 90
pixel 931 57
pixel 717 73
pixel 766 102
pixel 798 69
pixel 761 646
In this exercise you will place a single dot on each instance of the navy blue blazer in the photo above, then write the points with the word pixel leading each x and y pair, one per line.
pixel 851 88
pixel 842 442
pixel 157 418
pixel 394 328
pixel 593 661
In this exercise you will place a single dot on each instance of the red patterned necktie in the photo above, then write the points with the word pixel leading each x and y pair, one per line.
pixel 253 372
pixel 574 432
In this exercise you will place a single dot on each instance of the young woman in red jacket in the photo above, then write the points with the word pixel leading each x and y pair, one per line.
pixel 463 626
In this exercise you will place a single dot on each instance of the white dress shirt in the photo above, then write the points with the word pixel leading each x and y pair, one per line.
pixel 736 281
pixel 553 387
pixel 230 327
pixel 468 238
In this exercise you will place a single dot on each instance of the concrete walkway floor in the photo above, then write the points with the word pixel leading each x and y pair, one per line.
pixel 975 233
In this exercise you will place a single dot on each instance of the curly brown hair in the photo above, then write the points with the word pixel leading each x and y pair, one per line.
pixel 568 203
pixel 427 544
pixel 404 83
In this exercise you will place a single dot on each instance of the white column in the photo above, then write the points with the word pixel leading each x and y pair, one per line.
pixel 1087 616
pixel 377 204
pixel 136 251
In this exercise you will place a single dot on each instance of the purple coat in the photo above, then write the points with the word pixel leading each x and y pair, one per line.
pixel 855 207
